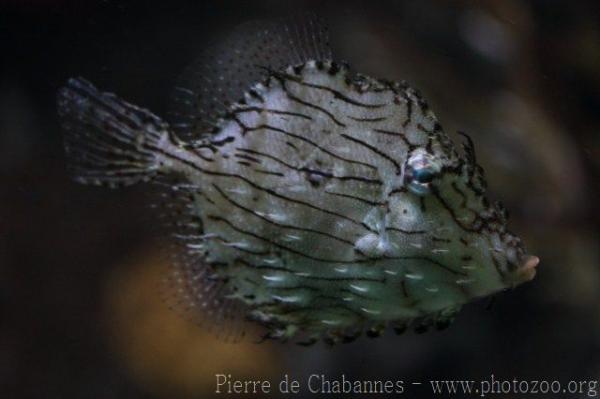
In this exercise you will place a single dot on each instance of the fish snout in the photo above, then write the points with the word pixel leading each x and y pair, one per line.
pixel 527 270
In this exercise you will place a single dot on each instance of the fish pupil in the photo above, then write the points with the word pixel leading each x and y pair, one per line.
pixel 423 175
pixel 419 179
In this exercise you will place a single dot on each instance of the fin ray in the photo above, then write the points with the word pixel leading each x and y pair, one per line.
pixel 189 288
pixel 224 72
pixel 107 140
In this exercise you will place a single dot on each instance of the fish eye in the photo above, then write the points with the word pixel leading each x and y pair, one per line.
pixel 423 175
pixel 420 171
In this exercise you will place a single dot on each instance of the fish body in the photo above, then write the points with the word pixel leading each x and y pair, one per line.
pixel 322 203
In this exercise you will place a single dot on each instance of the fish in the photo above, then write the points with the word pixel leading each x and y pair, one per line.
pixel 315 201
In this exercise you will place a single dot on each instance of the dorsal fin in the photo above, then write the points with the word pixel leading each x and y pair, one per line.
pixel 224 72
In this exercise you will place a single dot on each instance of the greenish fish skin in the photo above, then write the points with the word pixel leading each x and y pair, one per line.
pixel 326 203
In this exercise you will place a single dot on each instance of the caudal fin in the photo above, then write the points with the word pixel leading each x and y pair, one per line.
pixel 107 140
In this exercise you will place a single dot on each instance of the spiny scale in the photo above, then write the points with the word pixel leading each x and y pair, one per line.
pixel 323 203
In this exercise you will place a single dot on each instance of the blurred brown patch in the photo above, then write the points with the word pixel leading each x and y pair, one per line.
pixel 165 353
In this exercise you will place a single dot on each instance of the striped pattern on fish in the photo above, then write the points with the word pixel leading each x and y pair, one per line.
pixel 324 203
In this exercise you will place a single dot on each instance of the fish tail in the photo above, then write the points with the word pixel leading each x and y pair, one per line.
pixel 107 140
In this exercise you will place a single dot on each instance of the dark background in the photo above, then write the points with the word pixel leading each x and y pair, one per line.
pixel 80 314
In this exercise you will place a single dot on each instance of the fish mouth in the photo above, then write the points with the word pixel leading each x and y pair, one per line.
pixel 527 270
pixel 521 267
